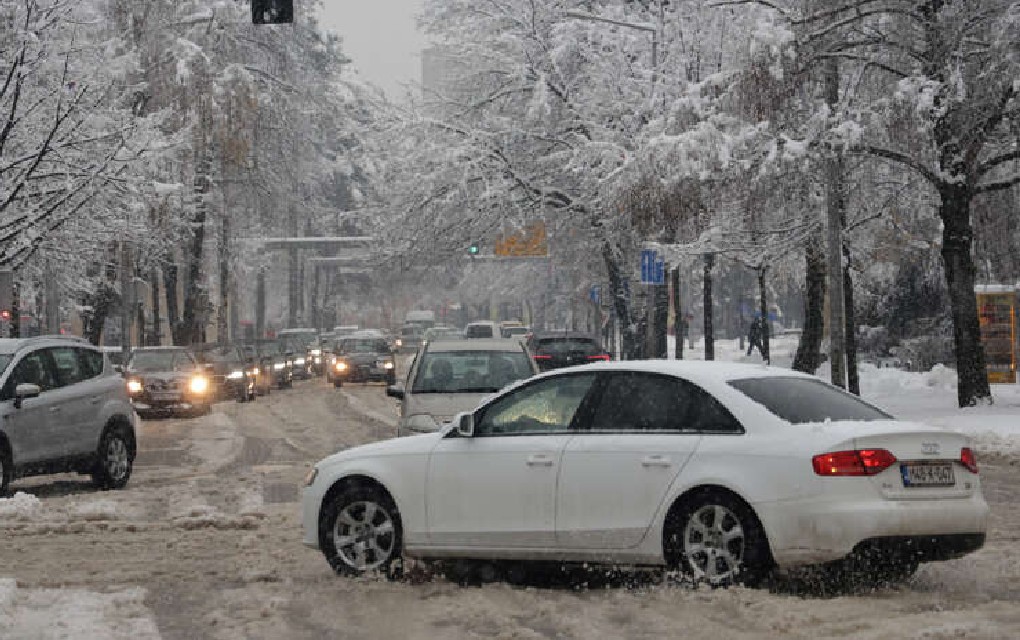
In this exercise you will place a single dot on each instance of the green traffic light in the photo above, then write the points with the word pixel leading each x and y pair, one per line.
pixel 473 249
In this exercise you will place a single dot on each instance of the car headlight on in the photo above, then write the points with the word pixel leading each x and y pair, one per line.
pixel 299 361
pixel 387 365
pixel 254 372
pixel 318 360
pixel 400 342
pixel 310 476
pixel 316 352
pixel 340 365
pixel 422 423
pixel 134 386
pixel 235 375
pixel 279 366
pixel 199 384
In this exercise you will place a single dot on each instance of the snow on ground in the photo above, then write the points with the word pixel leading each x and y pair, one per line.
pixel 58 614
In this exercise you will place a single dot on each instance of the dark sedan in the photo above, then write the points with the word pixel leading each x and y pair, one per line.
pixel 557 350
pixel 167 380
pixel 363 359
pixel 231 371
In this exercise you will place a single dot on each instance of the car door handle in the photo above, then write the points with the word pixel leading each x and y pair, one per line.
pixel 656 461
pixel 540 461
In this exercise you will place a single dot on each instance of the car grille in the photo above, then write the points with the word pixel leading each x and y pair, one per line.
pixel 163 385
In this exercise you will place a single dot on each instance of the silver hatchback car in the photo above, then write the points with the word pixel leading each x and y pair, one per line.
pixel 63 408
pixel 451 376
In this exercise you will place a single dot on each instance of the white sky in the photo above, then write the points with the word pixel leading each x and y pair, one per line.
pixel 382 38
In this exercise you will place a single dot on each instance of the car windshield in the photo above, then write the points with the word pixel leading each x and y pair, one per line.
pixel 555 346
pixel 803 400
pixel 410 331
pixel 514 331
pixel 470 371
pixel 364 345
pixel 160 361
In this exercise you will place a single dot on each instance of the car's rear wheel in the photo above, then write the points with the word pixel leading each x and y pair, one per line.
pixel 713 537
pixel 360 531
pixel 114 459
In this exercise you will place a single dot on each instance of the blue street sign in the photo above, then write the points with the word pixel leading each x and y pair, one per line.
pixel 595 294
pixel 653 270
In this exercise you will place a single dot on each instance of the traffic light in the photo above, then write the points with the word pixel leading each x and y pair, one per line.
pixel 473 249
pixel 272 11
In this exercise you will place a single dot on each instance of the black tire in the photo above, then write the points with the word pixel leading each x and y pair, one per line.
pixel 114 459
pixel 383 528
pixel 6 469
pixel 695 540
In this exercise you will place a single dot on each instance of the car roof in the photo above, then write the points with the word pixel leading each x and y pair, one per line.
pixel 489 323
pixel 693 370
pixel 166 348
pixel 567 335
pixel 477 344
pixel 297 330
pixel 13 345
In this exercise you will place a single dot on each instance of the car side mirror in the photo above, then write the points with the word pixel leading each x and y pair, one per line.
pixel 395 391
pixel 464 423
pixel 25 390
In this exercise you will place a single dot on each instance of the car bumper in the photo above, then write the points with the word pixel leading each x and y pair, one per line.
pixel 813 532
pixel 311 501
pixel 180 403
pixel 356 374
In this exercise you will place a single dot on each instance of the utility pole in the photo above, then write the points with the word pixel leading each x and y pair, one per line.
pixel 709 338
pixel 126 303
pixel 834 228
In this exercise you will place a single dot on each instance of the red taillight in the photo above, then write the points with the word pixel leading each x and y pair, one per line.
pixel 968 459
pixel 863 462
pixel 601 356
pixel 543 357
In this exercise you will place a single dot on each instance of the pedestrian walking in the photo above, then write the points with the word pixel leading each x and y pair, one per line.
pixel 754 337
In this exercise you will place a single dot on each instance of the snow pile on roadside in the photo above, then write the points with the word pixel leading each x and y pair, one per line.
pixel 20 507
pixel 887 380
pixel 94 511
pixel 60 614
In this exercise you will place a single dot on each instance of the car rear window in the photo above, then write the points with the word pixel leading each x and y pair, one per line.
pixel 554 346
pixel 803 400
pixel 479 331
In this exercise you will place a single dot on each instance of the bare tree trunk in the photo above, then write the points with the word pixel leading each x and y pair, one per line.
pixel 260 305
pixel 94 321
pixel 156 338
pixel 678 316
pixel 853 376
pixel 222 320
pixel 172 315
pixel 709 339
pixel 809 349
pixel 621 306
pixel 660 324
pixel 195 296
pixel 764 309
pixel 957 239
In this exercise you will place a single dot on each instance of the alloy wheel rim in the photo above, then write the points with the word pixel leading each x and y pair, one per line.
pixel 116 458
pixel 364 535
pixel 714 544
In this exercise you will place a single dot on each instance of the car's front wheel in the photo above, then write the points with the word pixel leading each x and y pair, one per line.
pixel 6 470
pixel 713 537
pixel 114 459
pixel 360 531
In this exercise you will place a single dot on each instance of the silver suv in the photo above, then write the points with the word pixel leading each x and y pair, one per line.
pixel 63 408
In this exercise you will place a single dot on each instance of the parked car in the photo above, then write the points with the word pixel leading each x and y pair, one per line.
pixel 65 409
pixel 482 329
pixel 442 332
pixel 565 349
pixel 280 360
pixel 167 380
pixel 447 377
pixel 363 357
pixel 723 471
pixel 299 342
pixel 231 371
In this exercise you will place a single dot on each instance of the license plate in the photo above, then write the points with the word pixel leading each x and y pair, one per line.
pixel 164 396
pixel 927 475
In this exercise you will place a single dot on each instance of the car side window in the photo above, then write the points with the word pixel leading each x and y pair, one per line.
pixel 69 370
pixel 547 406
pixel 91 362
pixel 707 415
pixel 34 368
pixel 642 402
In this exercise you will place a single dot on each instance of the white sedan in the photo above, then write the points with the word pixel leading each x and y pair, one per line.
pixel 724 471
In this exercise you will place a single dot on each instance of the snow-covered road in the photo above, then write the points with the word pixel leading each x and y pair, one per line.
pixel 205 543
